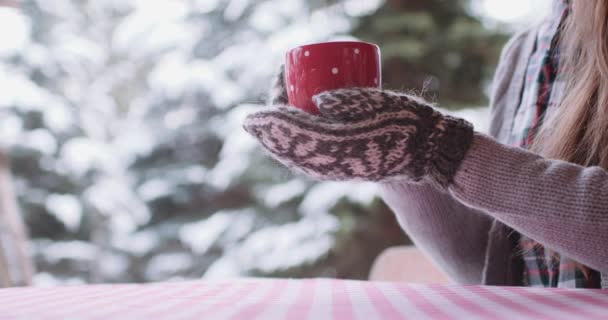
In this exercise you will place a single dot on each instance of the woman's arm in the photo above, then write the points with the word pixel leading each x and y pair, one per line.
pixel 453 235
pixel 380 136
pixel 559 204
pixel 431 217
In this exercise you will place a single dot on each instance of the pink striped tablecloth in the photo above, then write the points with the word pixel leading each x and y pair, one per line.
pixel 299 299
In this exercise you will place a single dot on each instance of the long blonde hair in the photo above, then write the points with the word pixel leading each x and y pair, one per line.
pixel 578 131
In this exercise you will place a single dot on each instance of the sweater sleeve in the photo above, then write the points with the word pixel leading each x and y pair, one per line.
pixel 454 236
pixel 559 204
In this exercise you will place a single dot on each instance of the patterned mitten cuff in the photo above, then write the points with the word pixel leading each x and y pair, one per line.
pixel 448 147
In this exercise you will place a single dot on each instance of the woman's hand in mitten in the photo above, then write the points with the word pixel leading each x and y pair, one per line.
pixel 363 134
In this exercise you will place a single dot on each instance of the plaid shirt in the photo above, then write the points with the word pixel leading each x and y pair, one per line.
pixel 542 91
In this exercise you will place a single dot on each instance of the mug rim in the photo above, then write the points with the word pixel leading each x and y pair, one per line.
pixel 330 43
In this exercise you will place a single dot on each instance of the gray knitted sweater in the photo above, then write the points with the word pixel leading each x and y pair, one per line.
pixel 468 231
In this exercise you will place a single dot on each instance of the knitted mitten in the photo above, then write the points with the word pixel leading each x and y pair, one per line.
pixel 363 134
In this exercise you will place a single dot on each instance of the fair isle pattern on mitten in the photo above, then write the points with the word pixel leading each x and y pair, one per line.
pixel 365 134
pixel 361 104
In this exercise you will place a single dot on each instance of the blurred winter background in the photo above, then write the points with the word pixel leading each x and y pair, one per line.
pixel 122 119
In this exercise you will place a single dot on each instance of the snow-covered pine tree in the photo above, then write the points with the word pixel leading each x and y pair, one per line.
pixel 123 120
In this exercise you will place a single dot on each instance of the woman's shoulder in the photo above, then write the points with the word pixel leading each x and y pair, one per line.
pixel 517 49
pixel 519 36
pixel 508 79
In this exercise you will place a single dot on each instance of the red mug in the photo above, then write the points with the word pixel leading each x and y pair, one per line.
pixel 314 68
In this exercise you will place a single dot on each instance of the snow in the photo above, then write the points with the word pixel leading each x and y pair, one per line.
pixel 112 265
pixel 277 248
pixel 175 76
pixel 40 140
pixel 74 52
pixel 54 251
pixel 45 279
pixel 291 8
pixel 155 188
pixel 281 193
pixel 202 235
pixel 319 27
pixel 195 174
pixel 238 144
pixel 14 31
pixel 138 243
pixel 149 29
pixel 266 17
pixel 358 8
pixel 163 265
pixel 205 6
pixel 10 129
pixel 324 195
pixel 81 155
pixel 113 198
pixel 58 8
pixel 58 117
pixel 235 9
pixel 135 139
pixel 242 225
pixel 20 91
pixel 66 208
pixel 232 225
pixel 184 116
